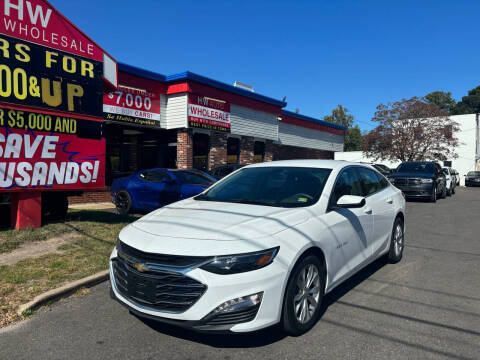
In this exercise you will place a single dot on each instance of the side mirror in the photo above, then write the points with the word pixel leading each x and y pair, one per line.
pixel 351 201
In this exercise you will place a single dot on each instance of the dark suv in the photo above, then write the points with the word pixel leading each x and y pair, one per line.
pixel 420 179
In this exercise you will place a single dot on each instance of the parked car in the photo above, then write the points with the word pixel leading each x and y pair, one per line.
pixel 150 189
pixel 450 179
pixel 382 169
pixel 472 178
pixel 221 171
pixel 260 247
pixel 457 177
pixel 420 179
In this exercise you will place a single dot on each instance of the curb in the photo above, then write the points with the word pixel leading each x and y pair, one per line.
pixel 64 290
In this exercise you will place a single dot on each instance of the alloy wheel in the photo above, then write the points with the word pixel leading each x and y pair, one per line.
pixel 122 201
pixel 398 240
pixel 307 293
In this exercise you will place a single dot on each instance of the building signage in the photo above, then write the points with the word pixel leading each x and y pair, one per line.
pixel 208 113
pixel 38 22
pixel 34 75
pixel 48 152
pixel 132 105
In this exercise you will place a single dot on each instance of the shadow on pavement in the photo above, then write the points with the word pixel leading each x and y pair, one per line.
pixel 266 336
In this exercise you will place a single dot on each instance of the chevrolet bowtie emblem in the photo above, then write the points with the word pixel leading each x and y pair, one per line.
pixel 141 267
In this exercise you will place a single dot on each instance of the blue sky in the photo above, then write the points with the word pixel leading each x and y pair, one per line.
pixel 317 53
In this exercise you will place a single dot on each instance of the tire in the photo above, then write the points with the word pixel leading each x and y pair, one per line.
pixel 397 242
pixel 453 190
pixel 433 197
pixel 444 192
pixel 296 322
pixel 123 202
pixel 449 191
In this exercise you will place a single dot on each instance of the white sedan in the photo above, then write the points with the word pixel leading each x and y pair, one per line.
pixel 260 247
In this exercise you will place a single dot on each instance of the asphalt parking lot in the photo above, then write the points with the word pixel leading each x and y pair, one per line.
pixel 427 306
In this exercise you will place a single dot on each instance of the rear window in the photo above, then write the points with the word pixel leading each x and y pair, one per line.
pixel 416 167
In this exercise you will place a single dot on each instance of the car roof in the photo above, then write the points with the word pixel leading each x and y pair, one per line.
pixel 324 164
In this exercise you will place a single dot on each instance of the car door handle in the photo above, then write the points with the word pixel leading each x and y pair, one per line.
pixel 367 210
pixel 389 201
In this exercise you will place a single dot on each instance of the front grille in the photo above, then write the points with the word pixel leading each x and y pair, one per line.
pixel 163 259
pixel 407 181
pixel 234 317
pixel 158 289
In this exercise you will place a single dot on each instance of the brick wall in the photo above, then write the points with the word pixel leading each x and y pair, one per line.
pixel 218 149
pixel 246 150
pixel 91 196
pixel 184 149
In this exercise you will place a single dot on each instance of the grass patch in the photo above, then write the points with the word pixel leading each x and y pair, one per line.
pixel 28 313
pixel 95 235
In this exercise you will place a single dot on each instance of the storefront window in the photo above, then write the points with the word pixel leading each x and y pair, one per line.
pixel 201 149
pixel 130 149
pixel 233 150
pixel 258 151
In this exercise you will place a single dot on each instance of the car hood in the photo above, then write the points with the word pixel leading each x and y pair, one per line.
pixel 209 220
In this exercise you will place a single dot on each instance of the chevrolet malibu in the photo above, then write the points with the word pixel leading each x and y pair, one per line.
pixel 260 247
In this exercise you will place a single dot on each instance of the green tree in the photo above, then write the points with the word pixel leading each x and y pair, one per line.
pixel 353 136
pixel 340 116
pixel 442 99
pixel 353 139
pixel 470 104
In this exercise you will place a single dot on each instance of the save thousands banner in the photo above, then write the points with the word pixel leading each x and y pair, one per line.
pixel 47 152
pixel 207 113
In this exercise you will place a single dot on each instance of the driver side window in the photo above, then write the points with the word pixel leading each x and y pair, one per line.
pixel 155 176
pixel 347 183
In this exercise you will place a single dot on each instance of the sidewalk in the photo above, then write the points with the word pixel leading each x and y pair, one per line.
pixel 93 206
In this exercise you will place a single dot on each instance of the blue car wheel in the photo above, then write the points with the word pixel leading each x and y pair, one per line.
pixel 123 202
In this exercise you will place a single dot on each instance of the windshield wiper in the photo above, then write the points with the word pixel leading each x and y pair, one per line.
pixel 251 202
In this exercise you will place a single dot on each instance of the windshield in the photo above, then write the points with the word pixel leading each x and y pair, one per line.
pixel 416 167
pixel 473 173
pixel 270 186
pixel 191 177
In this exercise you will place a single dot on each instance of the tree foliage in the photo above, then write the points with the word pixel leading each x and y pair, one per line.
pixel 353 139
pixel 340 116
pixel 411 130
pixel 442 99
pixel 353 136
pixel 470 104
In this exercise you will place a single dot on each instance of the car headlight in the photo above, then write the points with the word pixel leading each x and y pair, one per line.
pixel 426 181
pixel 234 264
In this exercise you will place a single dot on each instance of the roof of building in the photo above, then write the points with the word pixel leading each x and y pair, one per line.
pixel 187 75
pixel 310 119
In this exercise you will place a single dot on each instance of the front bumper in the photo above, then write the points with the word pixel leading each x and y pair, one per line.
pixel 472 183
pixel 417 191
pixel 220 288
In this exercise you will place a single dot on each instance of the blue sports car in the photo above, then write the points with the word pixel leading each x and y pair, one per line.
pixel 150 189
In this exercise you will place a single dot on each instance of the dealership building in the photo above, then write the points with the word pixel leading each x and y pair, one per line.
pixel 186 120
pixel 72 119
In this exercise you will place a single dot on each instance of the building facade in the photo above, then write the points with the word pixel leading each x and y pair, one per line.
pixel 189 121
